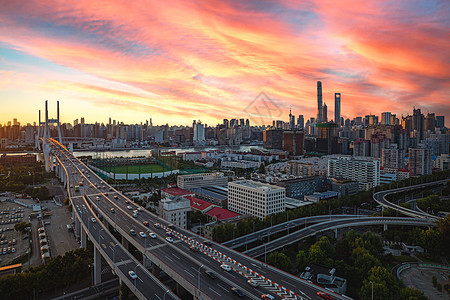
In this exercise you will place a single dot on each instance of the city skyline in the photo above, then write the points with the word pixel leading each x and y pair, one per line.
pixel 125 62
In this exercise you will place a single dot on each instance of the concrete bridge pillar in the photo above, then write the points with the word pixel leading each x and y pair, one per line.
pixel 125 243
pixel 385 227
pixel 83 238
pixel 336 233
pixel 156 270
pixel 77 226
pixel 97 266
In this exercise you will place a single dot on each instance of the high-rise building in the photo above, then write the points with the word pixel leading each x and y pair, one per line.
pixel 319 102
pixel 293 142
pixel 365 171
pixel 291 120
pixel 273 139
pixel 378 142
pixel 386 118
pixel 337 108
pixel 419 161
pixel 418 123
pixel 440 121
pixel 361 147
pixel 324 113
pixel 392 158
pixel 300 122
pixel 430 122
pixel 199 132
pixel 257 199
pixel 225 123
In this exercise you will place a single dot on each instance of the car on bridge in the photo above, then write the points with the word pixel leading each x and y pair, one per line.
pixel 98 198
pixel 324 295
pixel 210 274
pixel 142 234
pixel 132 232
pixel 207 242
pixel 93 220
pixel 152 235
pixel 145 223
pixel 267 297
pixel 113 210
pixel 253 283
pixel 225 267
pixel 237 292
pixel 169 239
pixel 157 225
pixel 132 274
pixel 129 207
pixel 115 196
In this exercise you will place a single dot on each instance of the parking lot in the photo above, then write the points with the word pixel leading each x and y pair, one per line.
pixel 12 243
pixel 49 235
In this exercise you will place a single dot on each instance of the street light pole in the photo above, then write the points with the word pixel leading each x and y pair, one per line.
pixel 198 284
pixel 372 289
pixel 164 296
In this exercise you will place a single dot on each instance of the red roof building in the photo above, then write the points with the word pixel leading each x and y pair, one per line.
pixel 199 204
pixel 222 213
pixel 175 192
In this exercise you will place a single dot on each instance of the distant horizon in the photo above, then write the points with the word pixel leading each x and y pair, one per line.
pixel 176 61
pixel 2 123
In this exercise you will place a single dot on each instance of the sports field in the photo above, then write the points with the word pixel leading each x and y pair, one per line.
pixel 134 169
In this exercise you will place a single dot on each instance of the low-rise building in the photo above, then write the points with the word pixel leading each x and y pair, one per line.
pixel 171 192
pixel 188 182
pixel 325 277
pixel 175 209
pixel 321 196
pixel 344 187
pixel 298 188
pixel 242 164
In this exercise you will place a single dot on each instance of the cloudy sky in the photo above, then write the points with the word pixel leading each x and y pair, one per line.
pixel 175 61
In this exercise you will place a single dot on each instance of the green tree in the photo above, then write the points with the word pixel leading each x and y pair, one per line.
pixel 322 251
pixel 21 226
pixel 411 294
pixel 302 260
pixel 385 285
pixel 280 261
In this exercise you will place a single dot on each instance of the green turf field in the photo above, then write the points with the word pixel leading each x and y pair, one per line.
pixel 134 169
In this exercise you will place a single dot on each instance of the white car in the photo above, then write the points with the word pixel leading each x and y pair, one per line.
pixel 93 220
pixel 169 239
pixel 139 208
pixel 129 207
pixel 253 283
pixel 225 267
pixel 132 274
pixel 98 198
pixel 152 235
pixel 142 234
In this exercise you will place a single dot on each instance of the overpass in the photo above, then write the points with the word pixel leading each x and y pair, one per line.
pixel 333 225
pixel 147 257
pixel 380 198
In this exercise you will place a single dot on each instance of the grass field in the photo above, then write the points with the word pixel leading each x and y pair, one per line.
pixel 134 169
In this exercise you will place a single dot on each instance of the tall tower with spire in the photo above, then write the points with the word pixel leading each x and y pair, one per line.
pixel 291 119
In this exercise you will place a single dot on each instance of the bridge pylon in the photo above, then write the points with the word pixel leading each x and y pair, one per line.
pixel 44 130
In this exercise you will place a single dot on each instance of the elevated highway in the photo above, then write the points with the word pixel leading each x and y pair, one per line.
pixel 96 199
pixel 380 198
pixel 332 225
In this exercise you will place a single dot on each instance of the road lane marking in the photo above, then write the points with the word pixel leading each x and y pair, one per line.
pixel 189 273
pixel 215 292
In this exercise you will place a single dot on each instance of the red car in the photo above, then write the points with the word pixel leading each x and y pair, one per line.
pixel 324 295
pixel 145 223
pixel 127 201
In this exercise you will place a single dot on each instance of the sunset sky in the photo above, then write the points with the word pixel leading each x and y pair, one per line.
pixel 176 61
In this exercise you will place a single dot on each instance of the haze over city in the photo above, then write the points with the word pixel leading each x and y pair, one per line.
pixel 176 61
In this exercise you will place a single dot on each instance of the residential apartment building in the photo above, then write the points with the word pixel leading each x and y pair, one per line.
pixel 419 161
pixel 254 198
pixel 365 171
